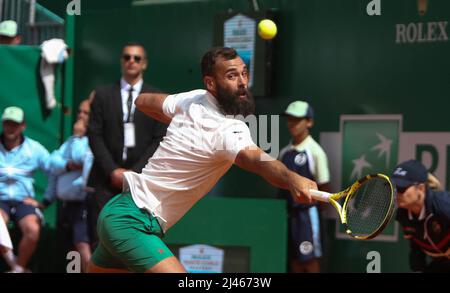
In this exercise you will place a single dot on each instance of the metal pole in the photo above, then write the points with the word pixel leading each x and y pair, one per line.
pixel 6 9
pixel 19 14
pixel 1 10
pixel 32 12
pixel 7 3
pixel 13 6
pixel 255 5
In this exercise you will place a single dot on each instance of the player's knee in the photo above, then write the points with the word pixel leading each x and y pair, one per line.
pixel 31 229
pixel 4 216
pixel 32 235
pixel 3 249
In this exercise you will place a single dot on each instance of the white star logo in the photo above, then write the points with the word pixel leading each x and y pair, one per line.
pixel 384 148
pixel 359 165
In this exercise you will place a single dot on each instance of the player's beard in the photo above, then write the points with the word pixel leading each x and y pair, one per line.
pixel 232 104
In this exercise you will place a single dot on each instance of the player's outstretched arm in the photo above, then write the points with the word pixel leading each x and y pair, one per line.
pixel 253 159
pixel 152 105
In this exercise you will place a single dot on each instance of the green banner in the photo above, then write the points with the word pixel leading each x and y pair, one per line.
pixel 20 85
pixel 370 145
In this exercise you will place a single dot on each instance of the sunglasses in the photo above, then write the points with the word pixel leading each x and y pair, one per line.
pixel 403 189
pixel 128 57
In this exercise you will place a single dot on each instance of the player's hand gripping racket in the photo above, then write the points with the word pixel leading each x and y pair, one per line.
pixel 368 205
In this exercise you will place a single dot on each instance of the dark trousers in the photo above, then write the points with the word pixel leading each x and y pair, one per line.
pixel 438 265
pixel 95 202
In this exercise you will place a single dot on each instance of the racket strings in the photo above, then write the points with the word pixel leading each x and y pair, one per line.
pixel 369 207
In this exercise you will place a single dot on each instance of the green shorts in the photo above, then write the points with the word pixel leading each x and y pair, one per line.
pixel 129 237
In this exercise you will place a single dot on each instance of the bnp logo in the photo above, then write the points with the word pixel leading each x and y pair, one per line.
pixel 374 144
pixel 369 146
pixel 382 149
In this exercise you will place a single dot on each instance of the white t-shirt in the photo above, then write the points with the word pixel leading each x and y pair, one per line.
pixel 201 144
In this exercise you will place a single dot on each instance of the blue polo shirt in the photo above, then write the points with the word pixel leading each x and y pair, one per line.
pixel 308 160
pixel 69 185
pixel 17 167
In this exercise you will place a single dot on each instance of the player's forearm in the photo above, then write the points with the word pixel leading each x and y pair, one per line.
pixel 151 105
pixel 276 174
pixel 260 163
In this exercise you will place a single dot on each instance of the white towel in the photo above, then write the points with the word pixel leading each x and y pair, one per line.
pixel 5 239
pixel 54 51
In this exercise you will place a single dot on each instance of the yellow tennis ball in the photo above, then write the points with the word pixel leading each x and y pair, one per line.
pixel 267 29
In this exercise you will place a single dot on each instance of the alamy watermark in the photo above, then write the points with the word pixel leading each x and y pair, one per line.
pixel 374 8
pixel 74 265
pixel 259 130
pixel 233 134
pixel 74 7
pixel 374 265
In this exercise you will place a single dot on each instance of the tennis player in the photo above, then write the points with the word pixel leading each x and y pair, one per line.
pixel 202 142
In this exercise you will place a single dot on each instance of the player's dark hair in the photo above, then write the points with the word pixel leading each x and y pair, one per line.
pixel 210 57
pixel 135 44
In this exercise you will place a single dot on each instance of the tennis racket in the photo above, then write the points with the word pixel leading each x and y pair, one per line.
pixel 367 205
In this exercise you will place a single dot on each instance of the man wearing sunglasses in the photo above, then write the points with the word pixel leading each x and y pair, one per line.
pixel 425 217
pixel 121 137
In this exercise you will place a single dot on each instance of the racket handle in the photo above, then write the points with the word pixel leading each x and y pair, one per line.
pixel 320 195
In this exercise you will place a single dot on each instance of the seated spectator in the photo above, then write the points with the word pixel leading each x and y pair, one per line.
pixel 67 184
pixel 20 156
pixel 9 33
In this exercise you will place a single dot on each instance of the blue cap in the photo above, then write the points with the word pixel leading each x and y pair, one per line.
pixel 409 173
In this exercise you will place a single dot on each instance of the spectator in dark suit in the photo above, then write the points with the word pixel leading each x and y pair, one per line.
pixel 120 136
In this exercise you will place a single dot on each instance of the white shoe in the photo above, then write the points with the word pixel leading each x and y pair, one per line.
pixel 19 270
